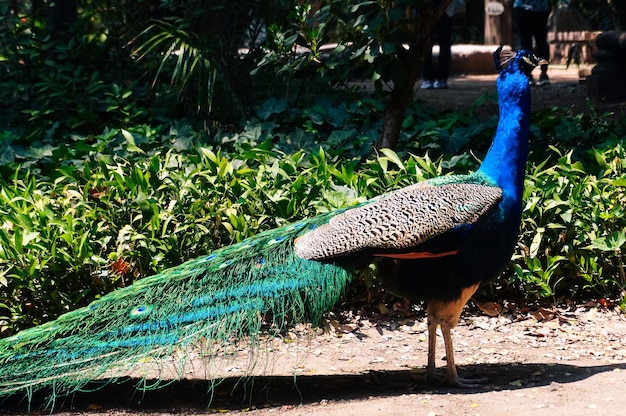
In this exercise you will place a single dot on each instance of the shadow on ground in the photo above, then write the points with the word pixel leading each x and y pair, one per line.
pixel 265 392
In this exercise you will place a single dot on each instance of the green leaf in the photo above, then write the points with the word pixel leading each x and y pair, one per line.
pixel 612 242
pixel 536 242
pixel 620 182
pixel 130 142
pixel 393 157
pixel 272 106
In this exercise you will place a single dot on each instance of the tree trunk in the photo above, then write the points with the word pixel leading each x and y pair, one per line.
pixel 401 96
pixel 61 15
pixel 499 28
pixel 411 61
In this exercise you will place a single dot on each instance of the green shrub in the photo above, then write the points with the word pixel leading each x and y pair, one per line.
pixel 573 231
pixel 91 225
pixel 83 215
pixel 51 87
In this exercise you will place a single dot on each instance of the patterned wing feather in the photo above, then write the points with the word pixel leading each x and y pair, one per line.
pixel 400 219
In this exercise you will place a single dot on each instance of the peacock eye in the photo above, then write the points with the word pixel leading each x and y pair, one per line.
pixel 140 310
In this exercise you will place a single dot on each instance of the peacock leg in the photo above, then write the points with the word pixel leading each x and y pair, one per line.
pixel 452 377
pixel 431 371
pixel 445 314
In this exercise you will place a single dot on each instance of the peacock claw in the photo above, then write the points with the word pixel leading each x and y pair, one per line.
pixel 467 383
pixel 463 383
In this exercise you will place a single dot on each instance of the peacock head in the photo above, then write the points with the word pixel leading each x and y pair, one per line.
pixel 525 60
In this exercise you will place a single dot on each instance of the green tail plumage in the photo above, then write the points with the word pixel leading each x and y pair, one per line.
pixel 235 292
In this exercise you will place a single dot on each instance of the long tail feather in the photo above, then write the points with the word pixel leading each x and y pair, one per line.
pixel 235 292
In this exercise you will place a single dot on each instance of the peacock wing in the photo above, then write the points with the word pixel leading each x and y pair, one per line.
pixel 399 220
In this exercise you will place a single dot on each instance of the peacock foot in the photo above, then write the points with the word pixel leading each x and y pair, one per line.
pixel 464 383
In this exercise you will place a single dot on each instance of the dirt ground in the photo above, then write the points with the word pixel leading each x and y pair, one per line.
pixel 566 360
pixel 567 90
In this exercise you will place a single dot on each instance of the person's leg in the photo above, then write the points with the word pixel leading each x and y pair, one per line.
pixel 428 71
pixel 444 35
pixel 523 21
pixel 542 49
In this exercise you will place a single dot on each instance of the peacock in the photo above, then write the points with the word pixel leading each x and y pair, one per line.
pixel 436 240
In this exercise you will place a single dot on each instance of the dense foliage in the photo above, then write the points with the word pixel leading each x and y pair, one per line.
pixel 89 214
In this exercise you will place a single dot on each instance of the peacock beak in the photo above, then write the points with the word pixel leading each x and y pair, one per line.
pixel 533 60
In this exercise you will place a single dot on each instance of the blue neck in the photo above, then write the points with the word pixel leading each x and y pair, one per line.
pixel 505 162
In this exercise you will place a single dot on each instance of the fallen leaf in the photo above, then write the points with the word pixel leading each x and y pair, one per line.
pixel 604 303
pixel 553 324
pixel 347 328
pixel 490 308
pixel 543 314
pixel 542 332
pixel 592 315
